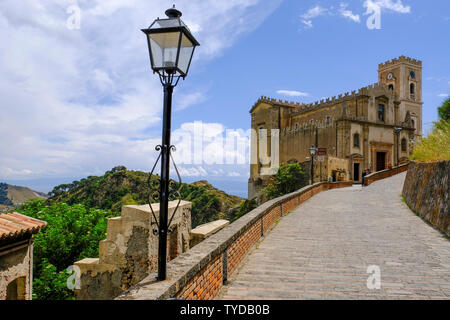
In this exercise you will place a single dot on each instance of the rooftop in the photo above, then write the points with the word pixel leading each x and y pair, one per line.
pixel 15 225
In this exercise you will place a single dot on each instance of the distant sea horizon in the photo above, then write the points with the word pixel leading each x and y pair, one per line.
pixel 236 186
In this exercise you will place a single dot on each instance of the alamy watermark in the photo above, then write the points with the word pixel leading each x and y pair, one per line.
pixel 73 22
pixel 374 280
pixel 374 20
pixel 73 281
pixel 209 144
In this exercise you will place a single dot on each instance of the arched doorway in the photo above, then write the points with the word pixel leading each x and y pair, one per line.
pixel 16 289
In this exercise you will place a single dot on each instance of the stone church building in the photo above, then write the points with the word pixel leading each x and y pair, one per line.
pixel 357 128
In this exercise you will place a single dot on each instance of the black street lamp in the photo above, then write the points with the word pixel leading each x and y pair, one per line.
pixel 171 46
pixel 312 152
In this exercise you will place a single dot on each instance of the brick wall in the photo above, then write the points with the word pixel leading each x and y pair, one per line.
pixel 205 284
pixel 371 178
pixel 239 248
pixel 270 218
pixel 199 273
pixel 291 204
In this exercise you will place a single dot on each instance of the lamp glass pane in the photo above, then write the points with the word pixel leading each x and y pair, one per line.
pixel 167 23
pixel 186 51
pixel 164 48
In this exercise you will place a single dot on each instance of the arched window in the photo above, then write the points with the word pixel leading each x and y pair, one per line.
pixel 391 87
pixel 403 145
pixel 412 88
pixel 356 140
pixel 413 123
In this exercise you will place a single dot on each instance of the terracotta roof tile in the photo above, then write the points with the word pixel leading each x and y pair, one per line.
pixel 14 225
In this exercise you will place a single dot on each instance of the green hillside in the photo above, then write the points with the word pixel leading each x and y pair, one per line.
pixel 120 186
pixel 11 196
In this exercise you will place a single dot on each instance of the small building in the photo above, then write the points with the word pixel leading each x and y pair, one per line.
pixel 16 255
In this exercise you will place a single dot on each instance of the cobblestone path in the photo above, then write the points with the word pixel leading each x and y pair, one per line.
pixel 322 250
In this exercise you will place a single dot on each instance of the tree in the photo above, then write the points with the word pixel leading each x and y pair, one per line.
pixel 4 195
pixel 289 178
pixel 444 110
pixel 72 233
pixel 245 207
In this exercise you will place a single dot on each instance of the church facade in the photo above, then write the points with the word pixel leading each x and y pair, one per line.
pixel 372 128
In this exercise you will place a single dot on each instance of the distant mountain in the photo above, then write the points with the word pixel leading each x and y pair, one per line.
pixel 120 186
pixel 12 196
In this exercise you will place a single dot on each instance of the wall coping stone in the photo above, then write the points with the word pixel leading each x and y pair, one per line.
pixel 378 173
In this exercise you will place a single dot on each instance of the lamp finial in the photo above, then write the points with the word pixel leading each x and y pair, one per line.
pixel 173 13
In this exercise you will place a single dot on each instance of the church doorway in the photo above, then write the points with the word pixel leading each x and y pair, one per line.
pixel 356 172
pixel 381 161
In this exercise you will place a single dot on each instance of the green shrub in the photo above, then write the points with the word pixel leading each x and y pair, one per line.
pixel 72 233
pixel 436 146
pixel 289 178
pixel 245 207
pixel 444 110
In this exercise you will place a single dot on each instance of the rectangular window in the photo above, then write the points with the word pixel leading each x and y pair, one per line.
pixel 381 112
pixel 356 140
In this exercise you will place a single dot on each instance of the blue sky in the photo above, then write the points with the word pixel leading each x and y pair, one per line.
pixel 76 102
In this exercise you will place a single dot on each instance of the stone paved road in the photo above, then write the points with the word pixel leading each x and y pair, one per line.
pixel 322 250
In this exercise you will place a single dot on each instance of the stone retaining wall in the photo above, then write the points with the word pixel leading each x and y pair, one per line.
pixel 200 273
pixel 369 179
pixel 426 191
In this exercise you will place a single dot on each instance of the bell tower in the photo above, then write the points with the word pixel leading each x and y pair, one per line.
pixel 404 77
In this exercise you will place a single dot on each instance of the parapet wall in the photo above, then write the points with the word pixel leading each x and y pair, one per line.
pixel 426 191
pixel 298 108
pixel 200 273
pixel 398 60
pixel 371 178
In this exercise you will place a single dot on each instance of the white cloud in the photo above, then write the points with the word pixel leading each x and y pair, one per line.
pixel 444 95
pixel 343 11
pixel 292 93
pixel 192 171
pixel 187 100
pixel 78 102
pixel 312 13
pixel 8 172
pixel 307 23
pixel 388 5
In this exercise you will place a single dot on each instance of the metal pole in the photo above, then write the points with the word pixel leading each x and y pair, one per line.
pixel 312 169
pixel 398 140
pixel 396 151
pixel 164 191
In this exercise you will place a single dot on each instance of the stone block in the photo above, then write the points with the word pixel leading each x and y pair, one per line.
pixel 203 231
